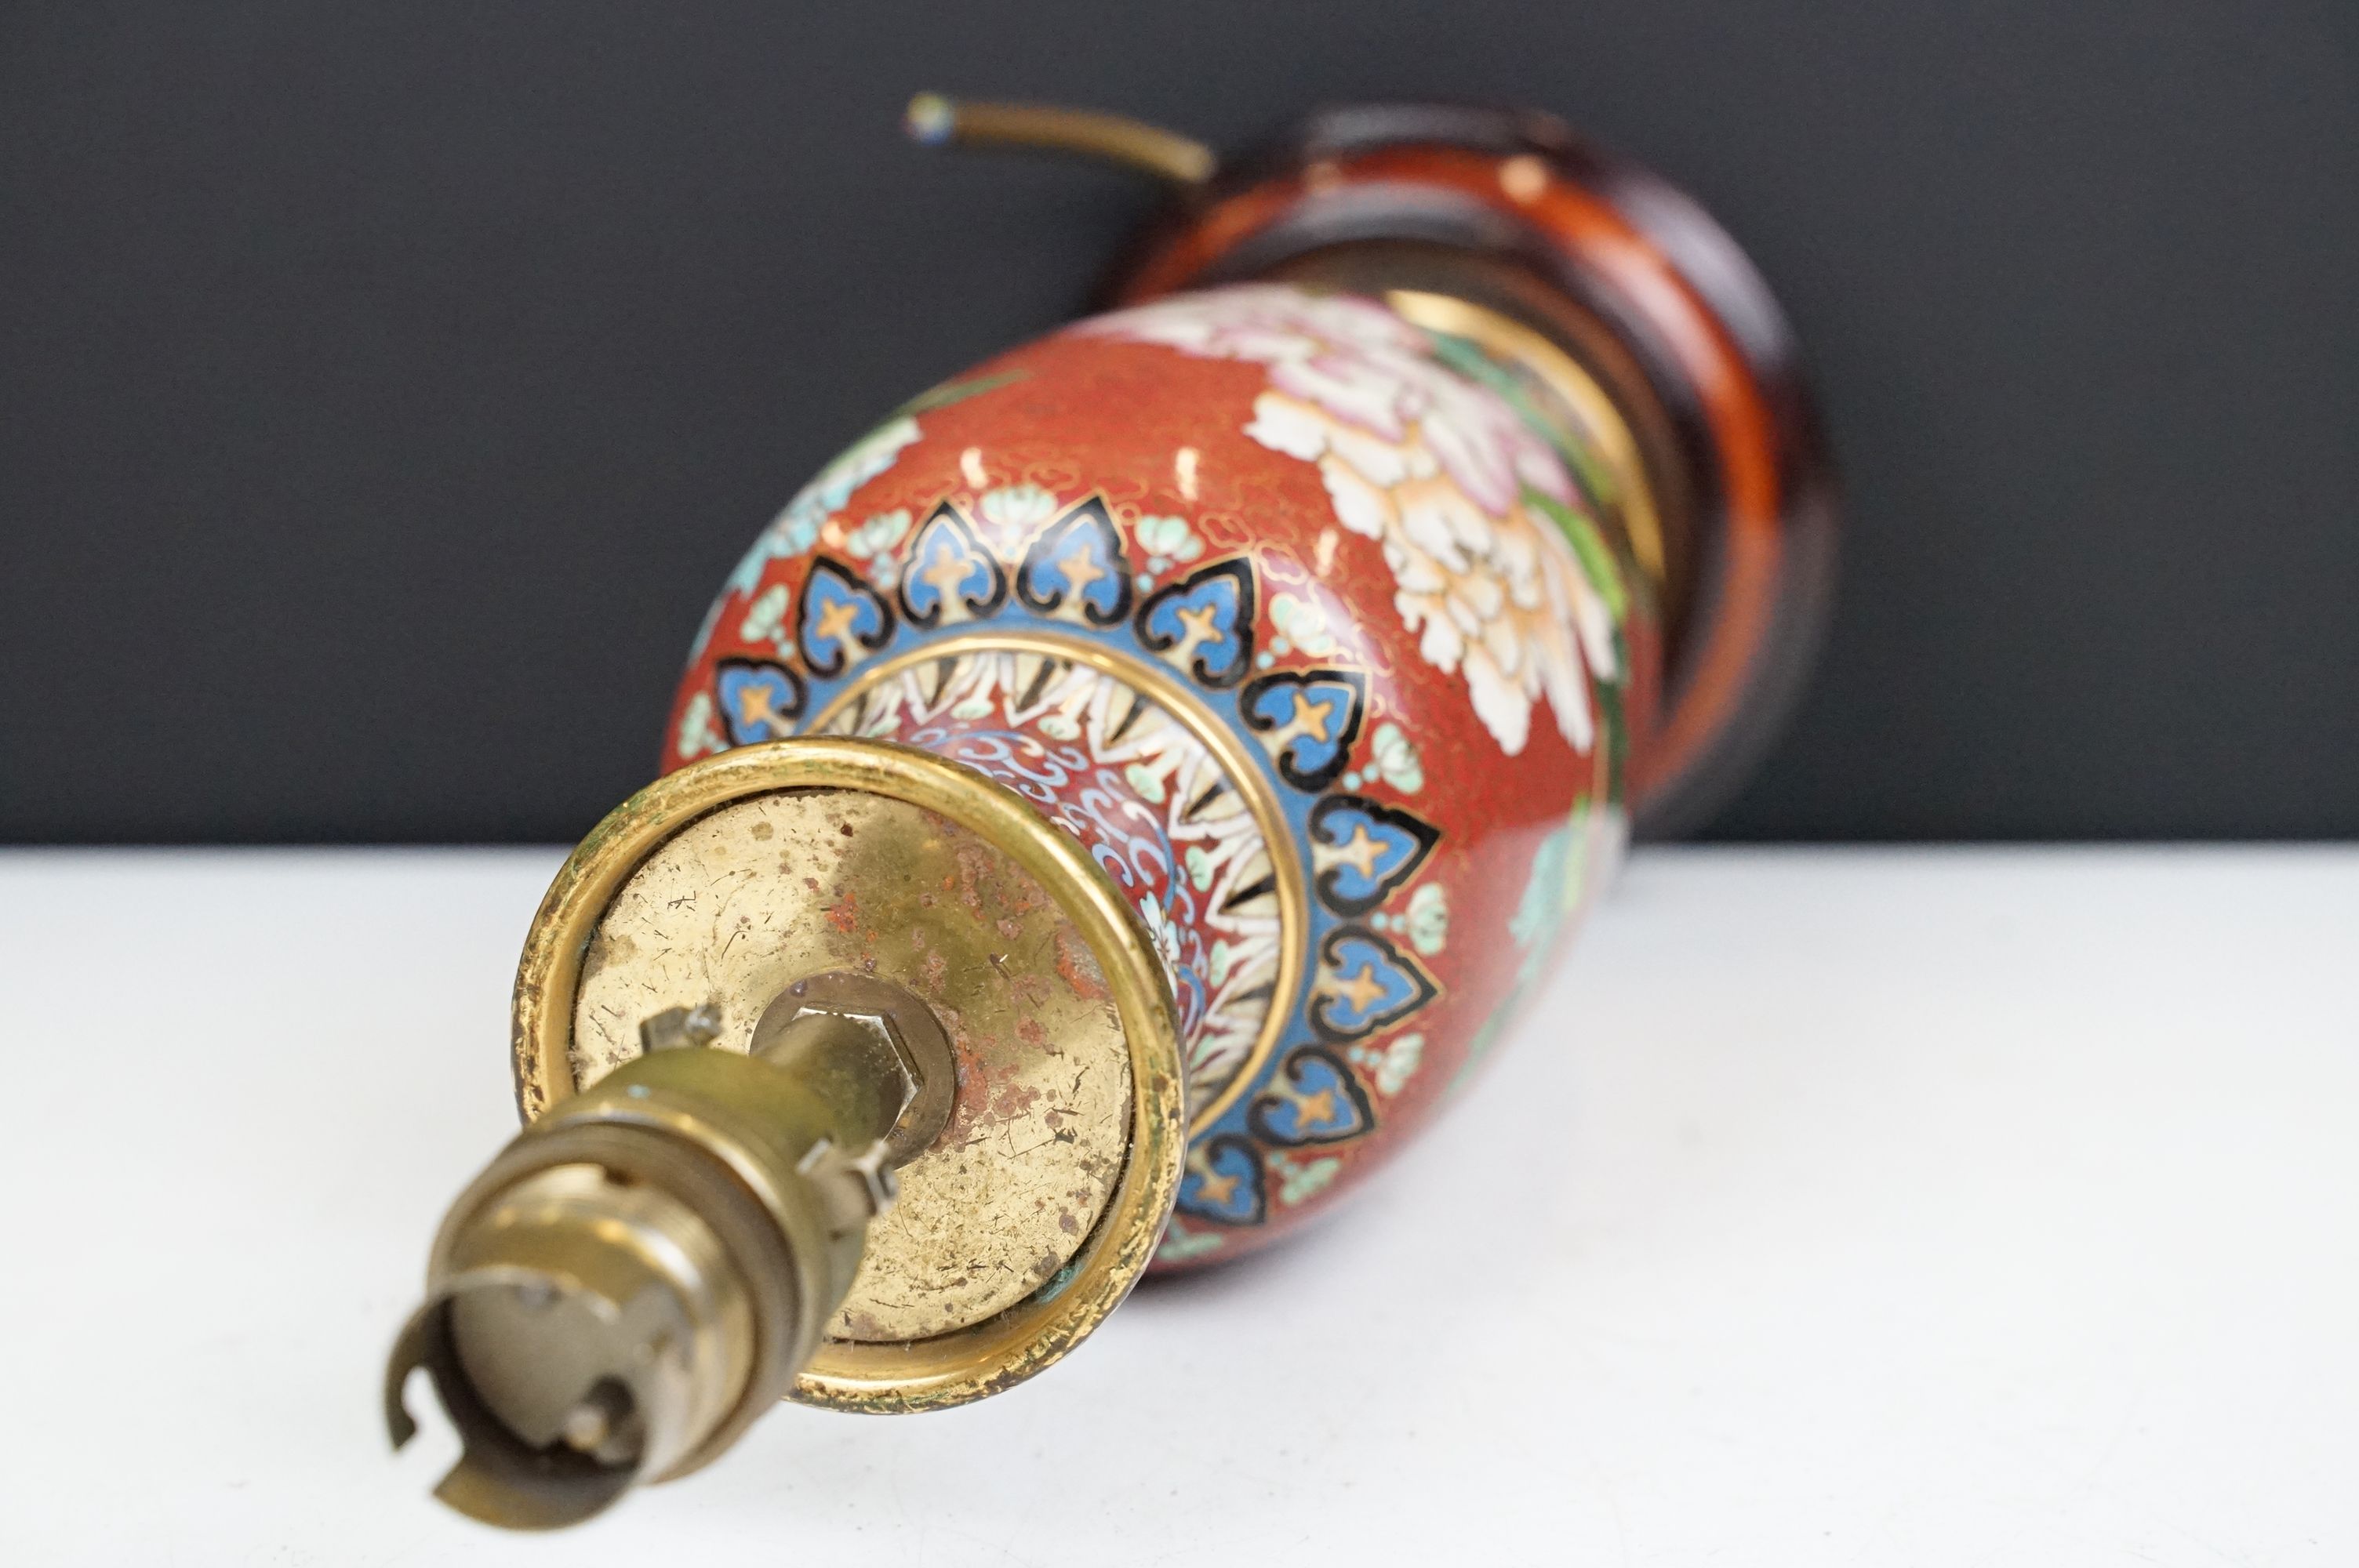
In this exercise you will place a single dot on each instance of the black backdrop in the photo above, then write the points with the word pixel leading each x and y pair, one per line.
pixel 385 388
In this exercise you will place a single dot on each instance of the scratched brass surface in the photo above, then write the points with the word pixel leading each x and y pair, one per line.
pixel 1004 1349
pixel 759 893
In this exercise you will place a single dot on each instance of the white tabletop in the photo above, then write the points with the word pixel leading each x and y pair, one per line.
pixel 1920 1207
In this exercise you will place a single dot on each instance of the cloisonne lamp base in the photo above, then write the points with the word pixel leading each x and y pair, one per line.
pixel 1116 801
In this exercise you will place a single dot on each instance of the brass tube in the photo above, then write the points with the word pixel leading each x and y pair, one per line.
pixel 1117 139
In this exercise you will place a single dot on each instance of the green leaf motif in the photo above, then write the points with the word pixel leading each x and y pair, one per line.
pixel 1469 360
pixel 1596 557
pixel 1302 1182
pixel 952 391
pixel 1146 781
pixel 1180 1244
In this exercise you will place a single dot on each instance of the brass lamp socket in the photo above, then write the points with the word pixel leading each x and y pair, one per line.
pixel 681 1235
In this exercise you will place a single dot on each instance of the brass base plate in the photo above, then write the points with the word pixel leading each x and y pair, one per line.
pixel 764 892
pixel 1041 1204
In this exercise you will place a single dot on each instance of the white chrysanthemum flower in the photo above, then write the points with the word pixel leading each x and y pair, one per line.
pixel 1434 467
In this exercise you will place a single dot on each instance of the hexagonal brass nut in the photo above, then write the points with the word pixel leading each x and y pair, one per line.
pixel 906 1034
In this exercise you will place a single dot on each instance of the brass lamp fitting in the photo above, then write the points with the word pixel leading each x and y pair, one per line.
pixel 642 1271
pixel 728 1091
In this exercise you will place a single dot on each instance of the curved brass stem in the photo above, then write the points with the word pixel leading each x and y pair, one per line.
pixel 937 121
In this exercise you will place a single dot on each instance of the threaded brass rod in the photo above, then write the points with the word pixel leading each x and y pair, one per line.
pixel 1117 139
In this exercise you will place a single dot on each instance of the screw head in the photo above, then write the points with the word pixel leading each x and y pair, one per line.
pixel 680 1027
